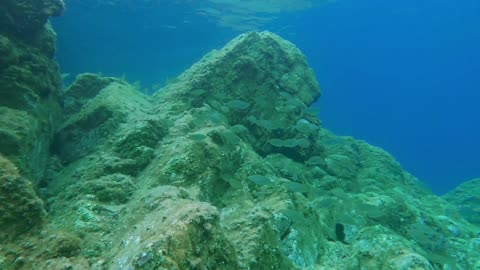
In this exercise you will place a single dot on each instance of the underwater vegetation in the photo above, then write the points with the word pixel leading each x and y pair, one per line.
pixel 226 167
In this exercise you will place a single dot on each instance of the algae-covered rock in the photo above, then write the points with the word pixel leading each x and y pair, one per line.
pixel 20 208
pixel 210 175
pixel 30 93
pixel 177 233
pixel 116 188
pixel 29 106
pixel 377 248
pixel 226 168
pixel 61 244
pixel 85 87
pixel 15 129
pixel 466 199
pixel 257 80
pixel 27 16
pixel 7 51
pixel 99 118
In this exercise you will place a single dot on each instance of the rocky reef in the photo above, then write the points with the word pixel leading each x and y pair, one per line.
pixel 226 167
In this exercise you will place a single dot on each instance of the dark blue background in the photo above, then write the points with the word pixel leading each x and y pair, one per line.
pixel 402 75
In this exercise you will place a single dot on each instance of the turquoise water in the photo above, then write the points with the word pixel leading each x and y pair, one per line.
pixel 402 75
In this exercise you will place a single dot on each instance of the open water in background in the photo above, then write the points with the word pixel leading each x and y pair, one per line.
pixel 402 75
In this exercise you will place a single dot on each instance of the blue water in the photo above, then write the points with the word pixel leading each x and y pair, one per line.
pixel 402 75
pixel 139 43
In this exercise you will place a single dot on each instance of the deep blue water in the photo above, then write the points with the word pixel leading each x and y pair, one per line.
pixel 402 75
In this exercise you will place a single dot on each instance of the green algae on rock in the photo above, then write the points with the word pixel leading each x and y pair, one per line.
pixel 226 168
pixel 466 199
pixel 22 18
pixel 30 95
pixel 20 208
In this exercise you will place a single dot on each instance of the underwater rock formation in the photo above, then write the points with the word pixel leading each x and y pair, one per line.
pixel 227 168
pixel 466 198
pixel 22 18
pixel 30 96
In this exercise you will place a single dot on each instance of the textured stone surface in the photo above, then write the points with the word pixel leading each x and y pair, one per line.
pixel 30 94
pixel 175 233
pixel 26 17
pixel 267 74
pixel 466 199
pixel 85 87
pixel 20 208
pixel 225 168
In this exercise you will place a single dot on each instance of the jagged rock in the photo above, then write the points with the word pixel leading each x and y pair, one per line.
pixel 267 192
pixel 30 93
pixel 85 87
pixel 225 168
pixel 99 118
pixel 259 81
pixel 27 16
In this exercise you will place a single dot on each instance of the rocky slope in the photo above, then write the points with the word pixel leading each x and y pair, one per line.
pixel 226 167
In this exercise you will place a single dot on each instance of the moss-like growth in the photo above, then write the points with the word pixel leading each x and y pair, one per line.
pixel 61 244
pixel 30 84
pixel 21 18
pixel 100 117
pixel 20 208
pixel 115 188
pixel 228 170
pixel 466 199
pixel 85 87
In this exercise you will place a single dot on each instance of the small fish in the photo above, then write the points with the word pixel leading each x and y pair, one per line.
pixel 239 128
pixel 238 104
pixel 315 160
pixel 260 180
pixel 296 187
pixel 198 92
pixel 276 142
pixel 197 137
